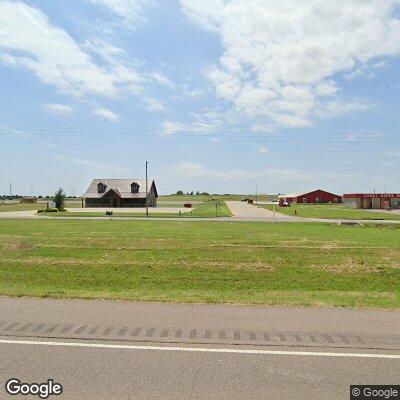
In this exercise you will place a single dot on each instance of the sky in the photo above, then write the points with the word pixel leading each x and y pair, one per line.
pixel 221 96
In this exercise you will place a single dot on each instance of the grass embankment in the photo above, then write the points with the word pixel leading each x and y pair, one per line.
pixel 292 264
pixel 204 210
pixel 331 211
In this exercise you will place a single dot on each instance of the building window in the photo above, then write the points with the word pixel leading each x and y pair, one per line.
pixel 317 199
pixel 101 188
pixel 304 200
pixel 335 199
pixel 134 187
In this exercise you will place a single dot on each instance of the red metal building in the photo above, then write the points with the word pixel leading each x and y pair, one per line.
pixel 313 197
pixel 372 200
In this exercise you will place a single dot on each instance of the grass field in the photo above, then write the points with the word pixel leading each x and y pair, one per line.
pixel 218 197
pixel 292 264
pixel 203 210
pixel 331 211
pixel 16 206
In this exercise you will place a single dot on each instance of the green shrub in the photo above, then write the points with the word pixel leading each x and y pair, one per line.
pixel 59 199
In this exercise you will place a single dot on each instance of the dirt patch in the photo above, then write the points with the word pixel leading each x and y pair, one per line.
pixel 351 266
pixel 290 245
pixel 19 246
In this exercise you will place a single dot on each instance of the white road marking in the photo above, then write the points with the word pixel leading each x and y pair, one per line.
pixel 201 349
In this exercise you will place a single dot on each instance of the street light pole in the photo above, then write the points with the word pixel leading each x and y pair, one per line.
pixel 147 204
pixel 255 181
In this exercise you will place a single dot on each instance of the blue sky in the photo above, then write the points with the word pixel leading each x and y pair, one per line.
pixel 216 94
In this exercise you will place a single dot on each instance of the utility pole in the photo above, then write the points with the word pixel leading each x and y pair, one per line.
pixel 147 204
pixel 256 194
pixel 10 189
pixel 255 181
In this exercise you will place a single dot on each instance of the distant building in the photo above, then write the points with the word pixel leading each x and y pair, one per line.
pixel 120 193
pixel 372 200
pixel 313 197
pixel 29 200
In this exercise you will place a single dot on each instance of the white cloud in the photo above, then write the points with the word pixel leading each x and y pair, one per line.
pixel 338 107
pixel 263 150
pixel 107 114
pixel 272 175
pixel 171 127
pixel 206 121
pixel 59 108
pixel 192 92
pixel 281 59
pixel 89 163
pixel 153 104
pixel 129 10
pixel 29 40
pixel 163 79
pixel 124 71
pixel 207 13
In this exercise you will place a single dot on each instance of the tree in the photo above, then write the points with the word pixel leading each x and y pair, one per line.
pixel 180 193
pixel 59 199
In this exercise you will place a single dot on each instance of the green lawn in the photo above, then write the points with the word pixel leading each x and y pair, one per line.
pixel 204 210
pixel 292 264
pixel 331 211
pixel 16 206
pixel 214 197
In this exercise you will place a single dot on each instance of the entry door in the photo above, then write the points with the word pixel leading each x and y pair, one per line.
pixel 115 202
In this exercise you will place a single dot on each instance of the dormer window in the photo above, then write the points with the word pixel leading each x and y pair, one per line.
pixel 134 187
pixel 101 187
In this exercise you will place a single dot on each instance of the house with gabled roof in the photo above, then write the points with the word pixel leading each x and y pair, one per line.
pixel 120 193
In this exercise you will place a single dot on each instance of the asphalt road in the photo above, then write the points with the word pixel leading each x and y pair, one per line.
pixel 113 373
pixel 121 350
pixel 242 212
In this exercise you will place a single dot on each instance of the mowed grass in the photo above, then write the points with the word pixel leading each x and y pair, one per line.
pixel 331 211
pixel 204 210
pixel 212 262
pixel 16 206
pixel 216 197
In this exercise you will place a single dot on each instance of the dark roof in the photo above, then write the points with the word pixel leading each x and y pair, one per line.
pixel 120 186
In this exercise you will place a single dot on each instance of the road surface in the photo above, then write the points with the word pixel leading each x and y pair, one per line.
pixel 132 210
pixel 121 350
pixel 242 212
pixel 241 209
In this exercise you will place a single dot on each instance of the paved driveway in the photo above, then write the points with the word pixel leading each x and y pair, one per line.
pixel 133 210
pixel 241 209
pixel 18 214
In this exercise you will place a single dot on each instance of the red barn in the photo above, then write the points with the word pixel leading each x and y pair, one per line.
pixel 314 197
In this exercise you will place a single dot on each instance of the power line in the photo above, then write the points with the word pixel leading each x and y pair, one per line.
pixel 158 131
